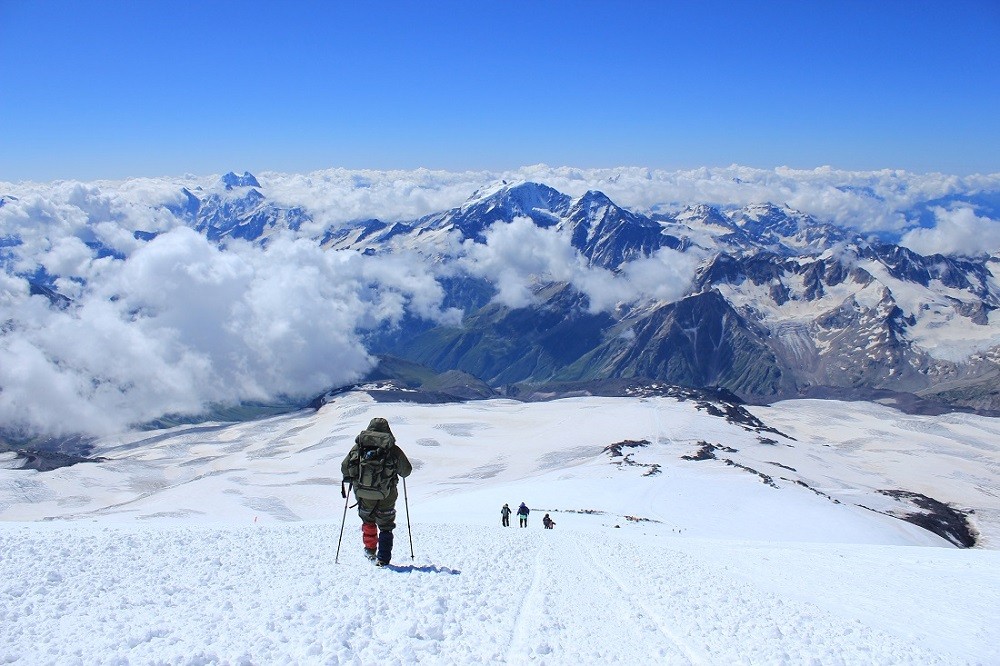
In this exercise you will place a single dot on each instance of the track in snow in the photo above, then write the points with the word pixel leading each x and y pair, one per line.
pixel 272 594
pixel 572 611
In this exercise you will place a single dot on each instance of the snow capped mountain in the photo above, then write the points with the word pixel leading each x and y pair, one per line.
pixel 231 180
pixel 541 203
pixel 781 229
pixel 802 304
pixel 236 209
pixel 610 236
pixel 700 340
pixel 520 283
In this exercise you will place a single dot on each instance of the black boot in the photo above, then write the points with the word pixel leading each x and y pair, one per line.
pixel 384 547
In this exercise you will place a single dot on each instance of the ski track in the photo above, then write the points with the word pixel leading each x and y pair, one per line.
pixel 473 594
pixel 720 619
pixel 530 611
pixel 571 615
pixel 627 591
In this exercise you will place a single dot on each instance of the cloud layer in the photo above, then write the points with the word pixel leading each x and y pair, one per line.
pixel 180 324
pixel 176 324
pixel 959 230
pixel 516 257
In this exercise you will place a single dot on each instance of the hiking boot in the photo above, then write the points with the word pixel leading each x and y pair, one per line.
pixel 380 563
pixel 370 553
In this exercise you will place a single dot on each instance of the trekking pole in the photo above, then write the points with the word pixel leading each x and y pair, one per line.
pixel 347 498
pixel 406 503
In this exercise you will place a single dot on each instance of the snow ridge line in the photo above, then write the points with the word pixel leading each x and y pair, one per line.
pixel 692 654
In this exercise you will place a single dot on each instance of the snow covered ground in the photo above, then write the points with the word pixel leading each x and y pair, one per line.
pixel 216 543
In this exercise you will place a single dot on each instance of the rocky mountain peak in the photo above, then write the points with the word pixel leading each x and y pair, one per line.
pixel 231 180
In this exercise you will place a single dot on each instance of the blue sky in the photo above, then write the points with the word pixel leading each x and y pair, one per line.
pixel 114 89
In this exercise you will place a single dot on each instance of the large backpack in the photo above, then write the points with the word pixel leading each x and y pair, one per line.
pixel 372 465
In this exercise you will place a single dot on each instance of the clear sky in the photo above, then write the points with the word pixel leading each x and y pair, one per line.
pixel 110 89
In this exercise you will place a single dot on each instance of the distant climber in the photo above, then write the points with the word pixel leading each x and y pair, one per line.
pixel 548 522
pixel 505 515
pixel 373 467
pixel 522 514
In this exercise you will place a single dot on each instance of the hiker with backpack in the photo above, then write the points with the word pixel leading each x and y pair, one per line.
pixel 373 468
pixel 505 515
pixel 522 514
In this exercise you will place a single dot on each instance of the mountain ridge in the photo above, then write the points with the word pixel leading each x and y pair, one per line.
pixel 760 299
pixel 797 261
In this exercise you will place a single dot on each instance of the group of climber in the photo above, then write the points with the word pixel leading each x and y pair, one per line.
pixel 373 468
pixel 522 516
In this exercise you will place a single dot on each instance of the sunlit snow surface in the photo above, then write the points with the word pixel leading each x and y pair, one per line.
pixel 216 543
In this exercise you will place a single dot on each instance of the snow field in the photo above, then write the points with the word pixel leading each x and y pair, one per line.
pixel 466 456
pixel 215 544
pixel 86 594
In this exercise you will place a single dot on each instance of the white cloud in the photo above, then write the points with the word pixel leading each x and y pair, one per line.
pixel 866 200
pixel 406 275
pixel 519 256
pixel 67 256
pixel 958 231
pixel 180 323
pixel 665 276
pixel 335 196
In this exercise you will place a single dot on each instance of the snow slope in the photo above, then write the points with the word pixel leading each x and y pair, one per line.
pixel 268 594
pixel 216 543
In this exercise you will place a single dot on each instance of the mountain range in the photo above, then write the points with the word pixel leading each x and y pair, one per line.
pixel 762 300
pixel 780 305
